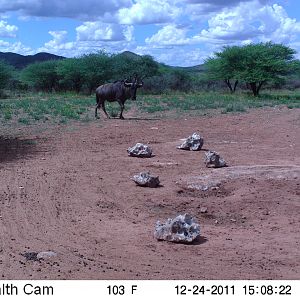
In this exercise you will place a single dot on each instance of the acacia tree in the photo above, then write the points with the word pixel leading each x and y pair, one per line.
pixel 224 66
pixel 265 62
pixel 72 73
pixel 96 69
pixel 6 73
pixel 129 64
pixel 41 75
pixel 254 64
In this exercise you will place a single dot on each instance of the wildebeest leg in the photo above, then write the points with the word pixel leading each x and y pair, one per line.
pixel 96 113
pixel 122 108
pixel 103 107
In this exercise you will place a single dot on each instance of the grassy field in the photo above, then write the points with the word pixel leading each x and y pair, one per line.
pixel 60 108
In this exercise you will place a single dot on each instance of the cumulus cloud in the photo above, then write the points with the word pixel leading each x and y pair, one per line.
pixel 7 30
pixel 87 41
pixel 149 12
pixel 98 31
pixel 169 35
pixel 59 41
pixel 68 8
pixel 16 47
pixel 250 22
pixel 174 56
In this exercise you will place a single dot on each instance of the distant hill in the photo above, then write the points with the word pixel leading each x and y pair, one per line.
pixel 21 61
pixel 193 69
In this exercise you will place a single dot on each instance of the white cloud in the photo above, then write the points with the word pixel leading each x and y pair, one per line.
pixel 59 44
pixel 98 31
pixel 87 42
pixel 250 22
pixel 59 41
pixel 169 35
pixel 277 26
pixel 7 30
pixel 149 12
pixel 16 47
pixel 184 56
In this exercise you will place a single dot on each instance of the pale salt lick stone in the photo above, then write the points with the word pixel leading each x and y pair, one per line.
pixel 46 255
pixel 146 179
pixel 193 142
pixel 182 229
pixel 140 150
pixel 214 160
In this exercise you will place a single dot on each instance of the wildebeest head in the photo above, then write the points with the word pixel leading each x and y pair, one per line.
pixel 133 85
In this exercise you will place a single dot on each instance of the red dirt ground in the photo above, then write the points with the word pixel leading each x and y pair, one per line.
pixel 68 190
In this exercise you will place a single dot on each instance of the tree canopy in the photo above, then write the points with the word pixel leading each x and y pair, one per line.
pixel 254 64
pixel 41 75
pixel 6 73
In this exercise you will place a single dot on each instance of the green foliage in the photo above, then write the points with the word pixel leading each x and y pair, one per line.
pixel 63 108
pixel 96 68
pixel 254 64
pixel 262 63
pixel 170 80
pixel 6 73
pixel 127 65
pixel 72 73
pixel 41 76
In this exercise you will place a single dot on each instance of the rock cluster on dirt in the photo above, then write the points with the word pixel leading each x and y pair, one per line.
pixel 46 254
pixel 214 160
pixel 146 179
pixel 193 142
pixel 39 255
pixel 182 229
pixel 140 150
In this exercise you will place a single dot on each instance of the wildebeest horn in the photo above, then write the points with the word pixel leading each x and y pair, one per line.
pixel 126 83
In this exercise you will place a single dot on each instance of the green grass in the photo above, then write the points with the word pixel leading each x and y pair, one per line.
pixel 61 108
pixel 227 103
pixel 46 107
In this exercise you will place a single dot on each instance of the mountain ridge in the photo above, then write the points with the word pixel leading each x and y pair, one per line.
pixel 20 61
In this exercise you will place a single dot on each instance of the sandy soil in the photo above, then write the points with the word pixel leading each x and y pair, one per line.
pixel 68 190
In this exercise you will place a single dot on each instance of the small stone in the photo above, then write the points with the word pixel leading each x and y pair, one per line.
pixel 182 229
pixel 216 221
pixel 193 142
pixel 214 160
pixel 214 188
pixel 147 180
pixel 203 210
pixel 30 255
pixel 140 150
pixel 46 255
pixel 233 220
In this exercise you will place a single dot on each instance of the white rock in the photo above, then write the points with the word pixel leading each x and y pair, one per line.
pixel 46 255
pixel 145 179
pixel 214 160
pixel 193 142
pixel 182 229
pixel 140 150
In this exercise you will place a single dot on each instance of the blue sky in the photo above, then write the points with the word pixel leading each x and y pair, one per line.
pixel 177 32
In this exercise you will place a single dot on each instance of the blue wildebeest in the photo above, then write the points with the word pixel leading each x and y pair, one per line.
pixel 118 91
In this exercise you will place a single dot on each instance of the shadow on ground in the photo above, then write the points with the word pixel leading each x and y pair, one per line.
pixel 12 148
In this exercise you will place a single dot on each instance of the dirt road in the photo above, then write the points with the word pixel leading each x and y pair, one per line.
pixel 69 191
